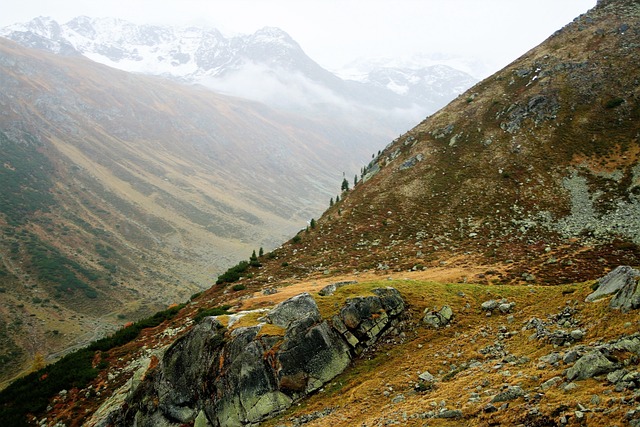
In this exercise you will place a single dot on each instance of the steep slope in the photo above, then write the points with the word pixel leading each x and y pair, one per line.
pixel 122 194
pixel 535 169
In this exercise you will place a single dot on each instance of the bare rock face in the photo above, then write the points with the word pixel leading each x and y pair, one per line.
pixel 218 378
pixel 623 282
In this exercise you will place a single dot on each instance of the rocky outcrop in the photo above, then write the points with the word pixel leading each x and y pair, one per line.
pixel 437 319
pixel 362 319
pixel 622 282
pixel 220 378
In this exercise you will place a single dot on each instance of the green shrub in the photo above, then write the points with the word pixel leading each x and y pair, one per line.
pixel 614 102
pixel 233 274
pixel 239 287
pixel 214 311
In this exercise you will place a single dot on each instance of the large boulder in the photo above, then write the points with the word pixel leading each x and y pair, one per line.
pixel 213 377
pixel 362 320
pixel 591 364
pixel 622 277
pixel 628 297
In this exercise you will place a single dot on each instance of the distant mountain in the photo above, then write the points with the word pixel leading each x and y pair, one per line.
pixel 267 66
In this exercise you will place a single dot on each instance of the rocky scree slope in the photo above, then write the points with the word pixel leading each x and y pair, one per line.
pixel 536 169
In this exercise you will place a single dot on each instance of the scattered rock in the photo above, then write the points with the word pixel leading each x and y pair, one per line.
pixel 398 399
pixel 489 305
pixel 412 162
pixel 591 364
pixel 504 306
pixel 437 319
pixel 489 409
pixel 577 334
pixel 427 377
pixel 450 414
pixel 551 383
pixel 511 393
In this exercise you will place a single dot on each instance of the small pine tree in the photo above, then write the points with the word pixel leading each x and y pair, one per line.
pixel 355 180
pixel 253 261
pixel 331 202
pixel 312 223
pixel 345 185
pixel 337 199
pixel 261 252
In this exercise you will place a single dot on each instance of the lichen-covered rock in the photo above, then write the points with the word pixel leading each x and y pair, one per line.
pixel 213 377
pixel 299 307
pixel 437 319
pixel 628 297
pixel 511 393
pixel 614 281
pixel 362 319
pixel 591 364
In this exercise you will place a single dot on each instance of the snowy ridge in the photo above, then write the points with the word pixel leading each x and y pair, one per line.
pixel 266 66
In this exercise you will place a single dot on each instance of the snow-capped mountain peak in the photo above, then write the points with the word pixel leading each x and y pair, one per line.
pixel 267 66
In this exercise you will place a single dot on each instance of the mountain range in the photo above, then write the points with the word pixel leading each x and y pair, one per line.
pixel 267 66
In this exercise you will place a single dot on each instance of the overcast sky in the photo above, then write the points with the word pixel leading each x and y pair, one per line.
pixel 336 32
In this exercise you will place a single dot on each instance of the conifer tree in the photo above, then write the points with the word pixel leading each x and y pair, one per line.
pixel 331 202
pixel 253 261
pixel 261 252
pixel 345 184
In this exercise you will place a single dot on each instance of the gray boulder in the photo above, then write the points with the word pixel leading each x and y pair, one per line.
pixel 299 307
pixel 511 393
pixel 591 364
pixel 438 319
pixel 628 297
pixel 362 320
pixel 213 377
pixel 617 279
pixel 490 305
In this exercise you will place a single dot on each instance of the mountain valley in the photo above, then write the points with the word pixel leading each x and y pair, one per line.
pixel 470 276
